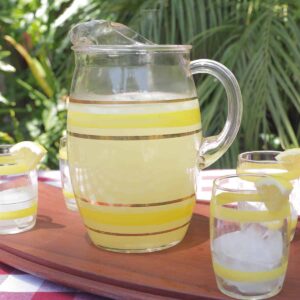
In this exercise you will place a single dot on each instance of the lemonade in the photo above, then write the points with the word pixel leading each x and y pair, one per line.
pixel 132 160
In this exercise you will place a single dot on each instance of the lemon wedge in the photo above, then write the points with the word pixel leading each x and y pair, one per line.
pixel 290 156
pixel 275 192
pixel 28 153
pixel 290 159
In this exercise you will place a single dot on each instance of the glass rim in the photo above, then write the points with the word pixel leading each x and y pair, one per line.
pixel 142 48
pixel 4 147
pixel 267 161
pixel 217 182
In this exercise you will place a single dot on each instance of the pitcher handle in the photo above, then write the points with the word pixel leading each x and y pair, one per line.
pixel 214 147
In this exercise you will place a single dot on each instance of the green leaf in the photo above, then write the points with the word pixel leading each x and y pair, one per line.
pixel 4 54
pixel 5 138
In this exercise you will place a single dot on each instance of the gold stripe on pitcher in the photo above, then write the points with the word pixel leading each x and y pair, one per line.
pixel 119 217
pixel 111 204
pixel 138 234
pixel 154 120
pixel 133 137
pixel 80 101
pixel 136 229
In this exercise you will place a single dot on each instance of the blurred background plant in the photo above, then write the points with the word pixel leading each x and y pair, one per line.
pixel 258 40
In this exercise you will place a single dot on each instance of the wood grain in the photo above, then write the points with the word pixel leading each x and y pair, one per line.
pixel 58 249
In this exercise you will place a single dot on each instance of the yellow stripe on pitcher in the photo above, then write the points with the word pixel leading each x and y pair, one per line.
pixel 159 119
pixel 17 214
pixel 136 229
pixel 139 242
pixel 243 276
pixel 134 216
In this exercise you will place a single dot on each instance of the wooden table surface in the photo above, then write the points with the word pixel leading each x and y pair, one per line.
pixel 59 249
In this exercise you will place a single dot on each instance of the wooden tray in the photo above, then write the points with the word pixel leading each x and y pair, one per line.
pixel 59 250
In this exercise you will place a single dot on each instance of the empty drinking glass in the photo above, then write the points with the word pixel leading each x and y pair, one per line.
pixel 249 247
pixel 65 176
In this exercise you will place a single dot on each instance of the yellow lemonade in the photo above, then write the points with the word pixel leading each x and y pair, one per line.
pixel 132 160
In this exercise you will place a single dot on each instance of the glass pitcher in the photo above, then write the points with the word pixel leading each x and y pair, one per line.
pixel 135 141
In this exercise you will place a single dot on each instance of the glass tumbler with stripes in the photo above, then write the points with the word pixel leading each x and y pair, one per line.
pixel 249 247
pixel 264 162
pixel 18 194
pixel 135 141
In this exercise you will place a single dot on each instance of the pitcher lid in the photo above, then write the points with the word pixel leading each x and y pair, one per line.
pixel 104 36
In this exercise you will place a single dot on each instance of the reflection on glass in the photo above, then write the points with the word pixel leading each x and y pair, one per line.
pixel 65 176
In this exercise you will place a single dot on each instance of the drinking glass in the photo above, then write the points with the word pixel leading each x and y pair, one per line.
pixel 18 194
pixel 264 162
pixel 65 176
pixel 249 247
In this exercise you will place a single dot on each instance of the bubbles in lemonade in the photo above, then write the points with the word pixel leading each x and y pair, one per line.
pixel 132 160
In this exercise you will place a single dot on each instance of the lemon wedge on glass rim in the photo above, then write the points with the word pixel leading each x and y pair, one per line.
pixel 290 160
pixel 289 156
pixel 274 192
pixel 27 153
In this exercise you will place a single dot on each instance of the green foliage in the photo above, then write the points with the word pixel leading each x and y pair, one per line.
pixel 35 109
pixel 258 40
